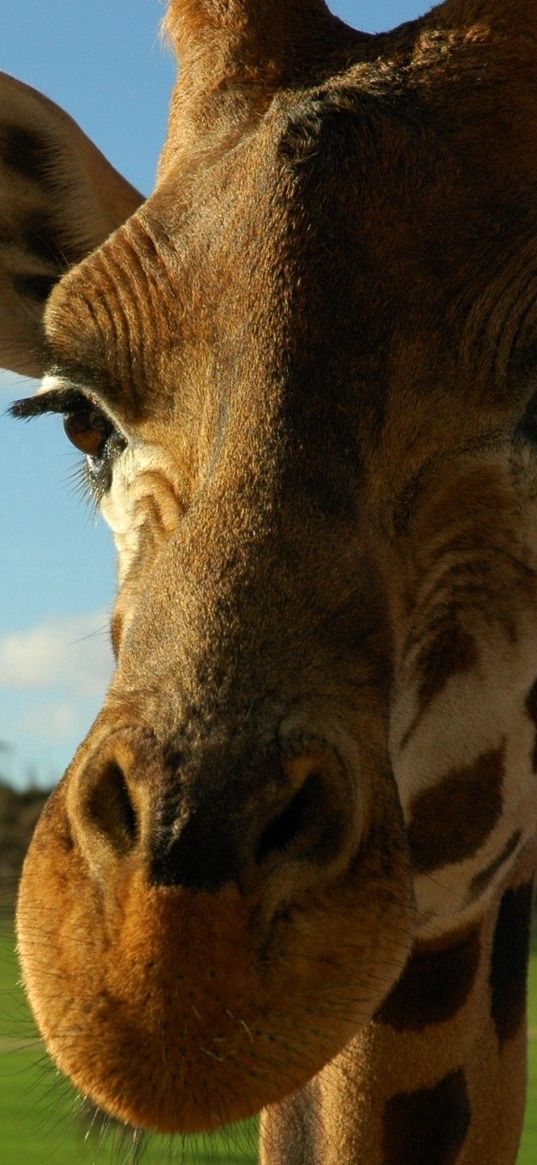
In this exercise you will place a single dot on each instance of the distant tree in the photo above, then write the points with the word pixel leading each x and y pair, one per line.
pixel 19 811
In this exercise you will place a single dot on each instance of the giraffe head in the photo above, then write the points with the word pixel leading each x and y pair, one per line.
pixel 290 369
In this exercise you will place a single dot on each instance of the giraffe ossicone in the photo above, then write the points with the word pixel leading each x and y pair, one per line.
pixel 289 869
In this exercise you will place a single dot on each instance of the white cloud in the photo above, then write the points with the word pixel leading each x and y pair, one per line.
pixel 51 722
pixel 73 654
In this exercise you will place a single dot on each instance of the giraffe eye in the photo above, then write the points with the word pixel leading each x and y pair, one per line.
pixel 88 430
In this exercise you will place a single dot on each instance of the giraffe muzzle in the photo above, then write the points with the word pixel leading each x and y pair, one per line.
pixel 194 923
pixel 190 822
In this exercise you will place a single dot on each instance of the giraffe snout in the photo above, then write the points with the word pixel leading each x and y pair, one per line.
pixel 204 822
pixel 205 890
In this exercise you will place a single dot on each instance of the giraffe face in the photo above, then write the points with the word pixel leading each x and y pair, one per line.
pixel 310 431
pixel 222 774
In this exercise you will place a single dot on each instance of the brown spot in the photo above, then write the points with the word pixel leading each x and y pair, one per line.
pixel 509 961
pixel 449 822
pixel 531 709
pixel 427 1127
pixel 480 881
pixel 452 652
pixel 434 985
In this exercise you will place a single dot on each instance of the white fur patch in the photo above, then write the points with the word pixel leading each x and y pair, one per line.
pixel 133 484
pixel 52 384
pixel 477 712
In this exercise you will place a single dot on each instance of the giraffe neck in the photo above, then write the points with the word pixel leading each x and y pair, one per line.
pixel 439 1076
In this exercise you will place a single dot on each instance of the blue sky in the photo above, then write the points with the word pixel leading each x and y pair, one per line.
pixel 102 61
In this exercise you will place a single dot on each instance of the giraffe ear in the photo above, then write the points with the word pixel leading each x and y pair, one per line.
pixel 59 199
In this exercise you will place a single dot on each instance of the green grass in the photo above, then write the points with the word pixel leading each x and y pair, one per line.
pixel 528 1148
pixel 41 1124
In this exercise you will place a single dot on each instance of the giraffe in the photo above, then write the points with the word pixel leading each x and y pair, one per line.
pixel 290 868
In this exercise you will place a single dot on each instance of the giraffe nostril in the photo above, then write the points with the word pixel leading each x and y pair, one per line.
pixel 299 821
pixel 109 809
pixel 124 801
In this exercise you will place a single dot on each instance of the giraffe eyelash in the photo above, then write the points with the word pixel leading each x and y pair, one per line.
pixel 82 484
pixel 94 475
pixel 56 400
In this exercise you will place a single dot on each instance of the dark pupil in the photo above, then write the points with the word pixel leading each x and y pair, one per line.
pixel 88 430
